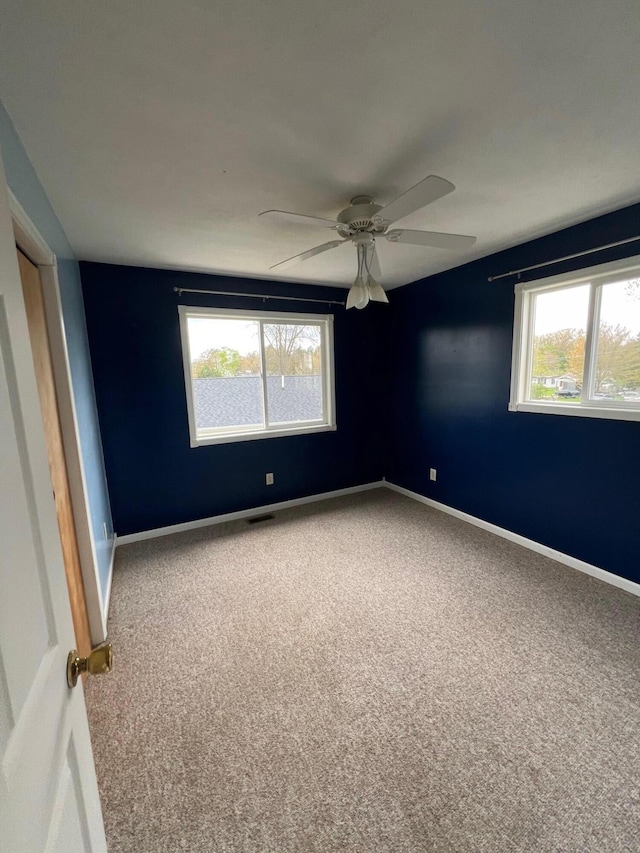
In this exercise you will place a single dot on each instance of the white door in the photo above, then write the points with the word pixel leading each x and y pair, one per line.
pixel 48 791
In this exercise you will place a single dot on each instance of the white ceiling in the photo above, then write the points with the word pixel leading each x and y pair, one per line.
pixel 161 129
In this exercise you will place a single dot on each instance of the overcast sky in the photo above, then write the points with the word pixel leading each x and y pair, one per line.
pixel 567 309
pixel 205 333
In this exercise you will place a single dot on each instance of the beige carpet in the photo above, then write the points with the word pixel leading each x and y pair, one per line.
pixel 365 674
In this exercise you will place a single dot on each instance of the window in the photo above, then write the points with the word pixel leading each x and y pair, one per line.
pixel 256 374
pixel 576 343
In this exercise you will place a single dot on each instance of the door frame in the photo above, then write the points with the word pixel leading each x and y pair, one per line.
pixel 31 243
pixel 48 788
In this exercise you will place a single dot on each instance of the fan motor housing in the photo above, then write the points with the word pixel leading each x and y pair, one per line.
pixel 359 216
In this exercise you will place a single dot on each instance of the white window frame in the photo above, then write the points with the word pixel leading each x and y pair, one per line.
pixel 224 436
pixel 522 352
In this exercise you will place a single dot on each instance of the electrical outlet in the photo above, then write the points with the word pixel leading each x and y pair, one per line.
pixel 432 474
pixel 269 479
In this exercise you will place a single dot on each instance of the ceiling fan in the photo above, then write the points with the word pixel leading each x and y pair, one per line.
pixel 363 221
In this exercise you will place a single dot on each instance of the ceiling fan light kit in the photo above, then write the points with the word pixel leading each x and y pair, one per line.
pixel 363 221
pixel 365 288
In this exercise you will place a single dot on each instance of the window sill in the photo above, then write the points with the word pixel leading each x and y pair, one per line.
pixel 577 410
pixel 228 438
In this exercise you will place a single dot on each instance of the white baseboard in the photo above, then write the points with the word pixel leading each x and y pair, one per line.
pixel 565 559
pixel 243 513
pixel 545 550
pixel 107 598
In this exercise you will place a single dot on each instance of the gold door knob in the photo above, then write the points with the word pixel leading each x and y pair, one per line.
pixel 99 662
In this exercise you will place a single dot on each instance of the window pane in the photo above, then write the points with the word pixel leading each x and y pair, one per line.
pixel 293 355
pixel 559 335
pixel 617 365
pixel 225 366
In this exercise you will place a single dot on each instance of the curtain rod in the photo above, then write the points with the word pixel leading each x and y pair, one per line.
pixel 179 290
pixel 565 258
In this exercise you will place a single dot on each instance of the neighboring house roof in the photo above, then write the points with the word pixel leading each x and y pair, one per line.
pixel 237 400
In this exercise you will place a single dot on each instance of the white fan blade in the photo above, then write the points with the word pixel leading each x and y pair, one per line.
pixel 310 253
pixel 433 239
pixel 300 217
pixel 428 190
pixel 376 292
pixel 358 297
pixel 374 267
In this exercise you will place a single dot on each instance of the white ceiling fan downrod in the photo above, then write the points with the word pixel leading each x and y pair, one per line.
pixel 365 288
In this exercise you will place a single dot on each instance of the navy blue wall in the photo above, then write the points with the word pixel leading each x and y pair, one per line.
pixel 155 478
pixel 570 483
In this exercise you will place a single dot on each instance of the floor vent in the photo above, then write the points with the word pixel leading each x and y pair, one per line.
pixel 258 518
